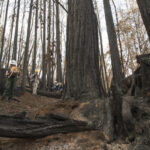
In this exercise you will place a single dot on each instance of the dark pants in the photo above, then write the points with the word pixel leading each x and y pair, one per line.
pixel 10 86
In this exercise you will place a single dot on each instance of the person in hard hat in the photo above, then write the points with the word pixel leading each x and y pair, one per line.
pixel 35 82
pixel 60 86
pixel 55 87
pixel 11 75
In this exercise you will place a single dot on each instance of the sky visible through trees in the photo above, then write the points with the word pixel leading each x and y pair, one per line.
pixel 122 7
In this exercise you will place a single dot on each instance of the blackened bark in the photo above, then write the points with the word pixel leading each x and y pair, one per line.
pixel 19 127
pixel 58 52
pixel 116 68
pixel 82 63
pixel 44 49
pixel 49 50
pixel 3 35
pixel 144 6
pixel 35 39
pixel 11 32
pixel 25 65
pixel 16 33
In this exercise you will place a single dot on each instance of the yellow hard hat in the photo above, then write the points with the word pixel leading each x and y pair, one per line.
pixel 36 70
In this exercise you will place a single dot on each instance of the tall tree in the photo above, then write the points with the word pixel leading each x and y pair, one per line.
pixel 25 64
pixel 11 32
pixel 58 52
pixel 144 6
pixel 49 49
pixel 16 33
pixel 35 38
pixel 3 35
pixel 118 35
pixel 21 35
pixel 82 63
pixel 44 49
pixel 116 68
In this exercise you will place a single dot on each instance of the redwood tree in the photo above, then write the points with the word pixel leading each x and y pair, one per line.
pixel 58 52
pixel 16 32
pixel 44 49
pixel 3 35
pixel 82 63
pixel 25 64
pixel 35 38
pixel 116 69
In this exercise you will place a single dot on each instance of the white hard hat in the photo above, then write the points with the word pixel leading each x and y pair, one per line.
pixel 13 62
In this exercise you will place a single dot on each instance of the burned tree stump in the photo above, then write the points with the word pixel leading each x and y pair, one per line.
pixel 19 127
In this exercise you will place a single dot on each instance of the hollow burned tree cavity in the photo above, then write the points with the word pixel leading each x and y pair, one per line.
pixel 82 64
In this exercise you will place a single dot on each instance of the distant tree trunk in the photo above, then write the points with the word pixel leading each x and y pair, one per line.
pixel 102 50
pixel 144 6
pixel 16 33
pixel 82 51
pixel 21 35
pixel 35 38
pixel 49 49
pixel 44 49
pixel 1 10
pixel 116 68
pixel 58 51
pixel 119 38
pixel 3 35
pixel 11 32
pixel 25 64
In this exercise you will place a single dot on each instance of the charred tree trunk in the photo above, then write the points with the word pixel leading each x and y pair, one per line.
pixel 49 50
pixel 119 38
pixel 25 65
pixel 3 35
pixel 116 68
pixel 11 32
pixel 35 39
pixel 58 51
pixel 44 49
pixel 20 127
pixel 144 6
pixel 21 36
pixel 16 33
pixel 82 64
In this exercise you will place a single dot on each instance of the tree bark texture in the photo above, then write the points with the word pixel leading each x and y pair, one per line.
pixel 35 39
pixel 58 51
pixel 11 32
pixel 16 33
pixel 82 63
pixel 3 35
pixel 116 68
pixel 20 127
pixel 44 49
pixel 25 65
pixel 144 6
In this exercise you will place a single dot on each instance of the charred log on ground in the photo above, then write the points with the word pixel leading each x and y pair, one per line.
pixel 19 127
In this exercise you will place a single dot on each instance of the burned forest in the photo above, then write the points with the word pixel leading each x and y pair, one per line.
pixel 74 75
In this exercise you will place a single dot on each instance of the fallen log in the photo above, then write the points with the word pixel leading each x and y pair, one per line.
pixel 47 94
pixel 18 127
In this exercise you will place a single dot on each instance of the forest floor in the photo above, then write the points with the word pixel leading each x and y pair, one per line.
pixel 40 106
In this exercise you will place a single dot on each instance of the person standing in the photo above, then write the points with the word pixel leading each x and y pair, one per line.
pixel 11 75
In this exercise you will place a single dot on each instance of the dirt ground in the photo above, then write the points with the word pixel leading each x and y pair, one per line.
pixel 39 105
